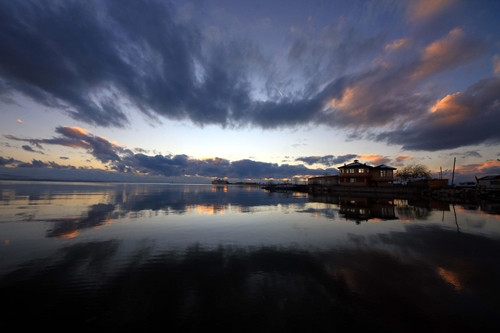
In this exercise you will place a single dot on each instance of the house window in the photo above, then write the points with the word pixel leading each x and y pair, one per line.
pixel 385 173
pixel 361 170
pixel 351 170
pixel 351 180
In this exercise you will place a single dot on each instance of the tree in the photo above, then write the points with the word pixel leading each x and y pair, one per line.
pixel 413 172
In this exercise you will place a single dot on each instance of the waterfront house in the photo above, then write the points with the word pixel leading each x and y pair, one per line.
pixel 366 208
pixel 382 175
pixel 361 174
pixel 489 182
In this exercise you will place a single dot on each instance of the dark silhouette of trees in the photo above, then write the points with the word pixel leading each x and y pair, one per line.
pixel 413 172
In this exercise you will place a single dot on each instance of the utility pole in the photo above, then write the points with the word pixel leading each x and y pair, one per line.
pixel 453 174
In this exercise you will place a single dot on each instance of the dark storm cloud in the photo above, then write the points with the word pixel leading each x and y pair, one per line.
pixel 74 137
pixel 328 160
pixel 88 56
pixel 470 153
pixel 457 120
pixel 6 161
pixel 98 60
pixel 179 165
pixel 34 164
pixel 28 148
pixel 121 159
pixel 254 169
pixel 40 164
pixel 164 165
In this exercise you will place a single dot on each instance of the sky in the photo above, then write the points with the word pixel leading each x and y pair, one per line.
pixel 248 90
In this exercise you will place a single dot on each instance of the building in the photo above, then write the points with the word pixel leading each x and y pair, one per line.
pixel 361 174
pixel 365 208
pixel 324 180
pixel 489 182
pixel 220 181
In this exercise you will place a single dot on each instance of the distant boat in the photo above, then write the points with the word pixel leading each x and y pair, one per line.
pixel 219 181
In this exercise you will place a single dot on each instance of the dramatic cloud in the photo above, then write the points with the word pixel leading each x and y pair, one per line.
pixel 402 158
pixel 40 164
pixel 424 9
pixel 460 119
pixel 470 153
pixel 181 165
pixel 328 160
pixel 375 158
pixel 496 64
pixel 451 51
pixel 31 150
pixel 75 137
pixel 99 61
pixel 486 168
pixel 6 161
pixel 123 160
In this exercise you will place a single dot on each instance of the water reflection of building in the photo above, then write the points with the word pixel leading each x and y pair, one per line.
pixel 359 209
pixel 219 188
pixel 323 198
pixel 207 209
pixel 490 207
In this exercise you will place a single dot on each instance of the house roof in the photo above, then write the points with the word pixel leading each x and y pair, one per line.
pixel 355 164
pixel 327 176
pixel 385 167
pixel 489 177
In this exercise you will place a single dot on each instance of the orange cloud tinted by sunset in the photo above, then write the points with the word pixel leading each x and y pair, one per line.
pixel 423 9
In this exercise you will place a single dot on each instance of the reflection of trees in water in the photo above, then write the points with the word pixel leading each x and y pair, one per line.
pixel 419 209
pixel 359 208
pixel 366 208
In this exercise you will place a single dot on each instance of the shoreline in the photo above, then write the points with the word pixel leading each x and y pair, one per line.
pixel 448 194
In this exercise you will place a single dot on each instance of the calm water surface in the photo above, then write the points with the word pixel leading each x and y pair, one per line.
pixel 238 258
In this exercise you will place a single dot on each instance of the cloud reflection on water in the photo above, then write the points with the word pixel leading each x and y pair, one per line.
pixel 422 286
pixel 410 272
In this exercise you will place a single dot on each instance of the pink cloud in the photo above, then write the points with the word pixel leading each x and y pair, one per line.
pixel 424 9
pixel 452 50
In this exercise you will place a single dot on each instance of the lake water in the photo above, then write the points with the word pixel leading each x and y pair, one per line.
pixel 238 258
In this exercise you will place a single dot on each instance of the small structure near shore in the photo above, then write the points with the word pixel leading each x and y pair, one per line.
pixel 489 183
pixel 324 180
pixel 219 181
